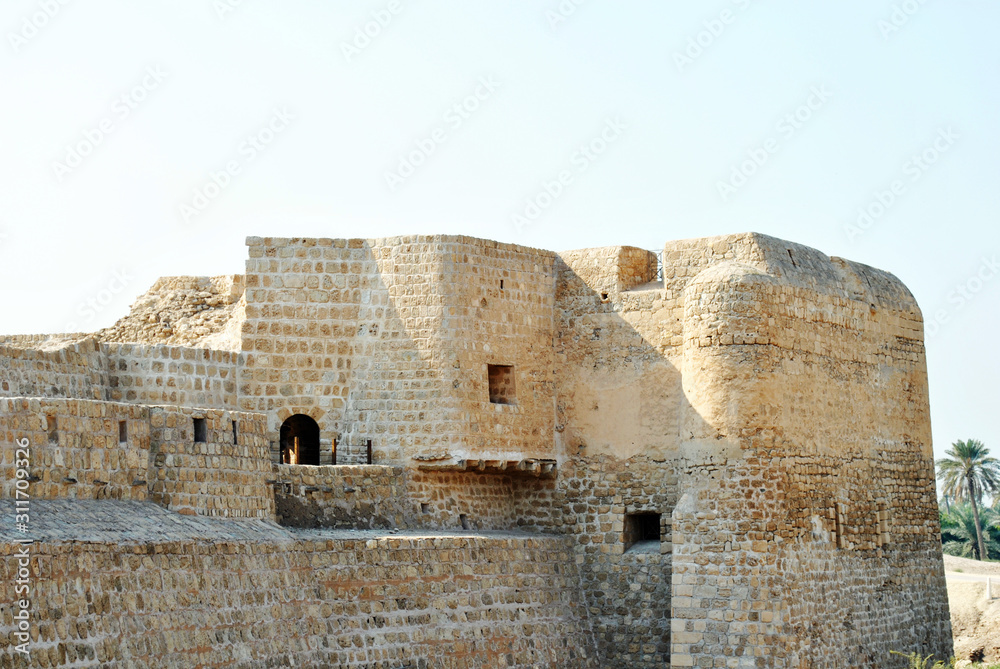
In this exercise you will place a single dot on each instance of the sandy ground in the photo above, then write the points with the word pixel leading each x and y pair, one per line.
pixel 975 620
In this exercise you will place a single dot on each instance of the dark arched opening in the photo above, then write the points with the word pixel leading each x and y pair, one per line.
pixel 299 441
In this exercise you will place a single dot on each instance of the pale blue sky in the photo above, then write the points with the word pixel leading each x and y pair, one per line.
pixel 673 130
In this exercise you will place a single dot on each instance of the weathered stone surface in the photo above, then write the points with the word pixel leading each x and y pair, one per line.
pixel 738 434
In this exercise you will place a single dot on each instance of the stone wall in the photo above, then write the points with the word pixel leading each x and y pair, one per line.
pixel 807 375
pixel 497 309
pixel 389 340
pixel 76 450
pixel 764 406
pixel 226 474
pixel 763 387
pixel 176 375
pixel 341 497
pixel 386 601
pixel 56 369
pixel 628 588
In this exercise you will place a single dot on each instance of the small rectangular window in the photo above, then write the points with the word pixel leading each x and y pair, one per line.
pixel 234 433
pixel 501 383
pixel 122 432
pixel 200 430
pixel 642 530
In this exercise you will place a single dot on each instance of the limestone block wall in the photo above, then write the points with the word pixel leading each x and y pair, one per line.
pixel 75 448
pixel 226 474
pixel 343 331
pixel 775 385
pixel 472 500
pixel 381 496
pixel 363 497
pixel 618 375
pixel 498 309
pixel 389 340
pixel 628 589
pixel 175 375
pixel 450 602
pixel 63 369
pixel 809 378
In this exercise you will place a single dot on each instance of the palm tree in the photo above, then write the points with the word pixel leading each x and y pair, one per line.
pixel 966 474
pixel 958 531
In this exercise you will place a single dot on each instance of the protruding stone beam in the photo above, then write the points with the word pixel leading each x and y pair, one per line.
pixel 540 468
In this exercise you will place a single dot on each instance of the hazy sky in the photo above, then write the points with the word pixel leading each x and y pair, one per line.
pixel 147 139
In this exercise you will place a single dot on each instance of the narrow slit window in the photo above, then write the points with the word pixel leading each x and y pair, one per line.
pixel 122 431
pixel 235 433
pixel 200 430
pixel 53 428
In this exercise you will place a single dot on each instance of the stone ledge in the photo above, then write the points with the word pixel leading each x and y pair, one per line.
pixel 540 468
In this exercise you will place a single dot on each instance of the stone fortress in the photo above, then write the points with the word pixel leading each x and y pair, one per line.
pixel 439 451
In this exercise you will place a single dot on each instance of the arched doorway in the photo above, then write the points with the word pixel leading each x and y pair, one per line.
pixel 299 440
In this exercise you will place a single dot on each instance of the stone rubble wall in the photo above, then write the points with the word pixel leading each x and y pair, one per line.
pixel 481 501
pixel 82 458
pixel 193 311
pixel 448 602
pixel 84 368
pixel 218 477
pixel 381 496
pixel 343 496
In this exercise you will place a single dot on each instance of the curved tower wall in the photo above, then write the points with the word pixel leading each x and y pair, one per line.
pixel 807 526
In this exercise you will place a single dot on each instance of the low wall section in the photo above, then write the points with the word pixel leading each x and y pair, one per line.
pixel 77 369
pixel 446 602
pixel 225 474
pixel 343 496
pixel 75 449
